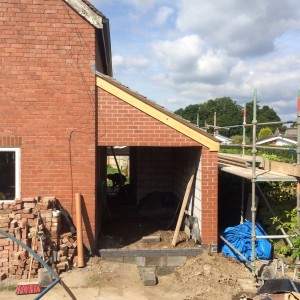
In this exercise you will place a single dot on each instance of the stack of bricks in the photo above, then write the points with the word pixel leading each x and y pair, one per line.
pixel 66 255
pixel 19 219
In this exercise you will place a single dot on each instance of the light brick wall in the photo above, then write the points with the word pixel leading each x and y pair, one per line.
pixel 203 202
pixel 154 170
pixel 48 99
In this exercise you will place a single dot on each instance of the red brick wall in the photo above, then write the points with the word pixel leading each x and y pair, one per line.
pixel 121 124
pixel 209 165
pixel 47 99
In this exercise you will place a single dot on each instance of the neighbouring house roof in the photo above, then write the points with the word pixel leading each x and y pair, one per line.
pixel 273 139
pixel 223 139
pixel 156 111
pixel 288 138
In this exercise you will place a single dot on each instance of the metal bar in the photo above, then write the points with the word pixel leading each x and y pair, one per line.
pixel 244 128
pixel 253 180
pixel 243 201
pixel 49 287
pixel 235 250
pixel 37 257
pixel 273 236
pixel 120 173
pixel 260 147
pixel 249 124
pixel 298 157
pixel 273 213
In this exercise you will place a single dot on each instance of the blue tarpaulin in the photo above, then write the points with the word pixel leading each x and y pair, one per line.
pixel 240 237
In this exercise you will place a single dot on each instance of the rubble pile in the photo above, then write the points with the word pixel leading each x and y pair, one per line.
pixel 38 224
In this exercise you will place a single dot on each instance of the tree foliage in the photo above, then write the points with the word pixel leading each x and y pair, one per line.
pixel 228 113
pixel 264 133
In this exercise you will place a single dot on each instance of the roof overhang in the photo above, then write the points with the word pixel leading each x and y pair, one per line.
pixel 86 12
pixel 158 113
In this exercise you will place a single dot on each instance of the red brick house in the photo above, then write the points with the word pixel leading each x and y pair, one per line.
pixel 58 116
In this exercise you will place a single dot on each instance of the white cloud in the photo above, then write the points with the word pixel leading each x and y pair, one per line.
pixel 121 63
pixel 180 54
pixel 240 27
pixel 163 14
pixel 142 5
pixel 214 49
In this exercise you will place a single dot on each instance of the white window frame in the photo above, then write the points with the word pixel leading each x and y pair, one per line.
pixel 17 152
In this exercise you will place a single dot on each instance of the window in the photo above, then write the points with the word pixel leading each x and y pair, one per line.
pixel 9 173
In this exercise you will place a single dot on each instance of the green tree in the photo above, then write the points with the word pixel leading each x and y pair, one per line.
pixel 263 115
pixel 228 112
pixel 264 133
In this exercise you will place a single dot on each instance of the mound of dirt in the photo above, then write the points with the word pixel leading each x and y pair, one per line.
pixel 208 277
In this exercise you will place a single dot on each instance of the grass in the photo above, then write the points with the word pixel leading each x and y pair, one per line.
pixel 5 287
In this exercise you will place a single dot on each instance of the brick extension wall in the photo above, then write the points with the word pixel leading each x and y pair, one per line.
pixel 47 99
pixel 209 164
pixel 121 124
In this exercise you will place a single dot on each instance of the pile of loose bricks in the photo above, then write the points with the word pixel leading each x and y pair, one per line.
pixel 38 224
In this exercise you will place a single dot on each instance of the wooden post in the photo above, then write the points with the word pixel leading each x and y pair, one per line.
pixel 184 202
pixel 79 231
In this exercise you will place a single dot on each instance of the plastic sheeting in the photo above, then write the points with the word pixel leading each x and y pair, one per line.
pixel 240 237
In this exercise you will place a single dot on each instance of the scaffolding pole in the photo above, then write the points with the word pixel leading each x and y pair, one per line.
pixel 253 206
pixel 298 157
pixel 249 124
pixel 244 128
pixel 260 147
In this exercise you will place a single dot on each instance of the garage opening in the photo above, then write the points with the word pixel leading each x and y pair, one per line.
pixel 141 190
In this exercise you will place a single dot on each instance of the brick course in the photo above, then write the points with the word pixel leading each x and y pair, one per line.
pixel 47 98
pixel 48 102
pixel 121 124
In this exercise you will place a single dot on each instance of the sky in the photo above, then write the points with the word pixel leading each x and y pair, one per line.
pixel 182 52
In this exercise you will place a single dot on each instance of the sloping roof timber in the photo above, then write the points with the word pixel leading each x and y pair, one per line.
pixel 90 13
pixel 157 112
pixel 87 11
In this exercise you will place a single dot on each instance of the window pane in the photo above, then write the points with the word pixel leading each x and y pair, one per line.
pixel 7 175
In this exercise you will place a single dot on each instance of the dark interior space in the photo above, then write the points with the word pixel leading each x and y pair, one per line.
pixel 144 204
pixel 230 199
pixel 7 175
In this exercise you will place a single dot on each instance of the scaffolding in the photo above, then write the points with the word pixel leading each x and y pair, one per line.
pixel 257 175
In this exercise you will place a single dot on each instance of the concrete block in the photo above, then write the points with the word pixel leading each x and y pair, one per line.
pixel 149 276
pixel 44 277
pixel 155 261
pixel 151 239
pixel 176 261
pixel 163 271
pixel 114 259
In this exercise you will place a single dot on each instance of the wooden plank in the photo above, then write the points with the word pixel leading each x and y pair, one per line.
pixel 280 167
pixel 184 203
pixel 261 175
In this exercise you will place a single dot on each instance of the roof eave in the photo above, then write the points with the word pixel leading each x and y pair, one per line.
pixel 211 143
pixel 95 19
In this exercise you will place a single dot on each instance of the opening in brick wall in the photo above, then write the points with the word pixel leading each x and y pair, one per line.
pixel 9 173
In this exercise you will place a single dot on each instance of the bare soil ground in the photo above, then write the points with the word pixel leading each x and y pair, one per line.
pixel 202 277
